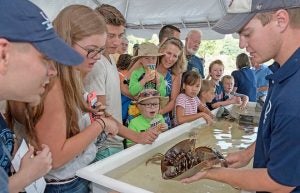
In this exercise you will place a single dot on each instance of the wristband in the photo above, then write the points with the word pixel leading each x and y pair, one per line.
pixel 103 125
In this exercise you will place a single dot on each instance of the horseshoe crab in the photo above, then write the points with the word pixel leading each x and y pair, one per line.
pixel 225 114
pixel 184 160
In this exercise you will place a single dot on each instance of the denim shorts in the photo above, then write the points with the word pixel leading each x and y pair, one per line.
pixel 78 185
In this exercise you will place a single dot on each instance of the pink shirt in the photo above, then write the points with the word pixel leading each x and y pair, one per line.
pixel 189 104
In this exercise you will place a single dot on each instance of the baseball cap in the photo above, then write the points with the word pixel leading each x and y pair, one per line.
pixel 23 21
pixel 240 12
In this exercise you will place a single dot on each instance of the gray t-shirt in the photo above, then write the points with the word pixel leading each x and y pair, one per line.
pixel 104 80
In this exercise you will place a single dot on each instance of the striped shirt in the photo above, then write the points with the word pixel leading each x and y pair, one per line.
pixel 189 104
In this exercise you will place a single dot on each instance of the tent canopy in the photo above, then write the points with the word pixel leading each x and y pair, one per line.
pixel 146 17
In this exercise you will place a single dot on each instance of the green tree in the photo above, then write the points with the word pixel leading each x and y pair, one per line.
pixel 231 47
pixel 207 48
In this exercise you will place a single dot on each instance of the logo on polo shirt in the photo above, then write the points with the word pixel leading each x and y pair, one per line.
pixel 47 22
pixel 268 109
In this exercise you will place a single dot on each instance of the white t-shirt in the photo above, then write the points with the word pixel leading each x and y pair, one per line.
pixel 104 80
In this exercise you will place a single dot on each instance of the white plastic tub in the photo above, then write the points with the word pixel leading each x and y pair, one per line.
pixel 102 173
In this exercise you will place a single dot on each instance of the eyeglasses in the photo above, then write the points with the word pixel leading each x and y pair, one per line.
pixel 91 53
pixel 150 105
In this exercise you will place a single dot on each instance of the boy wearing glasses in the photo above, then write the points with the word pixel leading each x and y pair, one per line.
pixel 148 103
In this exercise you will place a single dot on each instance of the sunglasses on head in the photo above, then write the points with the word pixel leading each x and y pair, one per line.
pixel 149 93
pixel 178 41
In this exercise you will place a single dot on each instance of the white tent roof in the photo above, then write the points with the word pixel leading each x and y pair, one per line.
pixel 146 17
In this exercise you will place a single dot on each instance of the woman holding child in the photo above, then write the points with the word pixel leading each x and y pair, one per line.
pixel 171 65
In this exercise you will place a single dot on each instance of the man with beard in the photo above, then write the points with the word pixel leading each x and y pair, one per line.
pixel 192 44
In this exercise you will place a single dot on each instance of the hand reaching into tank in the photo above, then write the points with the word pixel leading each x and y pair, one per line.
pixel 206 117
pixel 147 137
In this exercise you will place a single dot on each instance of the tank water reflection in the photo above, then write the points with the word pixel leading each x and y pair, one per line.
pixel 232 136
pixel 222 135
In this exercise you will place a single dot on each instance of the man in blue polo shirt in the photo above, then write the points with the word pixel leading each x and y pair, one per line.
pixel 268 29
pixel 192 44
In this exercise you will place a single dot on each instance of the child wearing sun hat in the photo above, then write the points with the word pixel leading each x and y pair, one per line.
pixel 148 103
pixel 146 76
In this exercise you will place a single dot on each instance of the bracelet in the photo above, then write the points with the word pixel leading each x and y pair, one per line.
pixel 103 125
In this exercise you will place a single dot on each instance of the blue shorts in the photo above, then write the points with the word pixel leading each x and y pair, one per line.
pixel 78 185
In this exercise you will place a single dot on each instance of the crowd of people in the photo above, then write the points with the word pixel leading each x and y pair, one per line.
pixel 76 96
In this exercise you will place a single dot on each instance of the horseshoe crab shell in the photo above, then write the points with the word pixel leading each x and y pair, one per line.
pixel 184 160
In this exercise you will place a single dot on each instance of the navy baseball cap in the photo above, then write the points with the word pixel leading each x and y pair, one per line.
pixel 240 12
pixel 23 21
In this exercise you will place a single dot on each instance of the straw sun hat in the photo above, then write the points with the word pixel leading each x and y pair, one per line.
pixel 149 94
pixel 147 49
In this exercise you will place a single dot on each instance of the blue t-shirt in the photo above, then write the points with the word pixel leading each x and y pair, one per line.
pixel 6 145
pixel 261 80
pixel 196 64
pixel 278 137
pixel 245 81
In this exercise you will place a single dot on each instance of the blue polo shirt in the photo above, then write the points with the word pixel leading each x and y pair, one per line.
pixel 261 80
pixel 278 138
pixel 196 64
pixel 245 81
